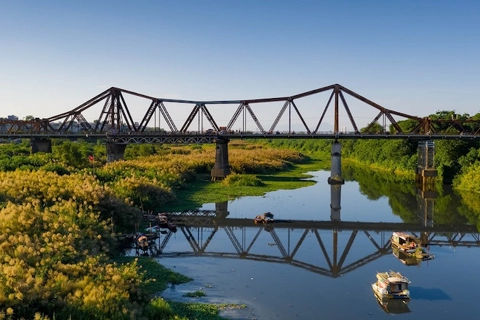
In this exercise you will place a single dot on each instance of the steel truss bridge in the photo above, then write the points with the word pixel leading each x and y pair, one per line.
pixel 115 122
pixel 199 229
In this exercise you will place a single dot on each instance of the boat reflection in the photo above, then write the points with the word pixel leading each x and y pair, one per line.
pixel 393 306
pixel 409 249
pixel 405 258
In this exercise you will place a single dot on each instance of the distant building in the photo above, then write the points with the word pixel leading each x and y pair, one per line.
pixel 12 117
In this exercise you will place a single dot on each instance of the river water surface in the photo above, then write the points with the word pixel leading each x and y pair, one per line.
pixel 293 271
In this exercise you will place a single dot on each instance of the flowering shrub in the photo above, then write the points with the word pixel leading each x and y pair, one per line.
pixel 54 258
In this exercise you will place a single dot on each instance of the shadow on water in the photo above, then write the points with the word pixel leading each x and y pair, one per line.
pixel 429 294
pixel 282 179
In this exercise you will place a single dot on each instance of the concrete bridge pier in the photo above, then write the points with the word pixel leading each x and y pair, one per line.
pixel 222 168
pixel 115 151
pixel 336 169
pixel 425 173
pixel 41 145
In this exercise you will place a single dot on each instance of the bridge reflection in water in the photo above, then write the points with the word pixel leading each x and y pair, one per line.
pixel 331 248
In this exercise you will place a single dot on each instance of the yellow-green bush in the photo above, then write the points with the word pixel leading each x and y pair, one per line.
pixel 48 188
pixel 54 259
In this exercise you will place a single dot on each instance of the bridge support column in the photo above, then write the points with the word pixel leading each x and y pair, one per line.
pixel 336 170
pixel 41 145
pixel 222 168
pixel 425 173
pixel 115 151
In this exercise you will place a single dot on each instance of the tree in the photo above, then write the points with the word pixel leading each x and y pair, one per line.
pixel 71 155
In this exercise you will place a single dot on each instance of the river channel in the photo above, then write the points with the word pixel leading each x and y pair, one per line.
pixel 323 267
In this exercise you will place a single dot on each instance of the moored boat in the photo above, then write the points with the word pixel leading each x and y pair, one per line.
pixel 267 217
pixel 141 242
pixel 391 285
pixel 164 222
pixel 405 242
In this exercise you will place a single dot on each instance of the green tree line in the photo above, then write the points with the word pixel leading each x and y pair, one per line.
pixel 457 161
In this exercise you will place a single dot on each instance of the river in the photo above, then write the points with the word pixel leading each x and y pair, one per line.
pixel 292 271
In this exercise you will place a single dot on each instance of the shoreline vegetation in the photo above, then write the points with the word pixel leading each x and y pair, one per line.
pixel 59 217
pixel 60 212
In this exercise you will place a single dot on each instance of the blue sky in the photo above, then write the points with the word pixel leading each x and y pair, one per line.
pixel 415 57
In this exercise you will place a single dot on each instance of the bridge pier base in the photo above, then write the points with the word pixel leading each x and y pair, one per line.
pixel 222 168
pixel 336 170
pixel 115 151
pixel 41 145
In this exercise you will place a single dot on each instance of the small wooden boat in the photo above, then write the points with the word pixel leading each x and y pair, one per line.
pixel 405 242
pixel 141 242
pixel 391 285
pixel 164 222
pixel 267 217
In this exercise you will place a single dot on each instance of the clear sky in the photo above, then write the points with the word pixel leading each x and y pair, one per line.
pixel 412 56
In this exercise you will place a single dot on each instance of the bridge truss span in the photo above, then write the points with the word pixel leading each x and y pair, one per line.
pixel 329 112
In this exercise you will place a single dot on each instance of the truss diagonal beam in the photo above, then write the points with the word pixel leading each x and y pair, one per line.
pixel 126 114
pixel 278 242
pixel 191 240
pixel 324 251
pixel 279 116
pixel 347 109
pixel 83 106
pixel 190 118
pixel 209 117
pixel 371 124
pixel 234 240
pixel 210 237
pixel 324 111
pixel 148 115
pixel 254 240
pixel 165 241
pixel 254 117
pixel 167 117
pixel 347 248
pixel 300 116
pixel 235 116
pixel 299 243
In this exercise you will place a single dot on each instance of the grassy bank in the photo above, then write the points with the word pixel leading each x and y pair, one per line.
pixel 203 190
